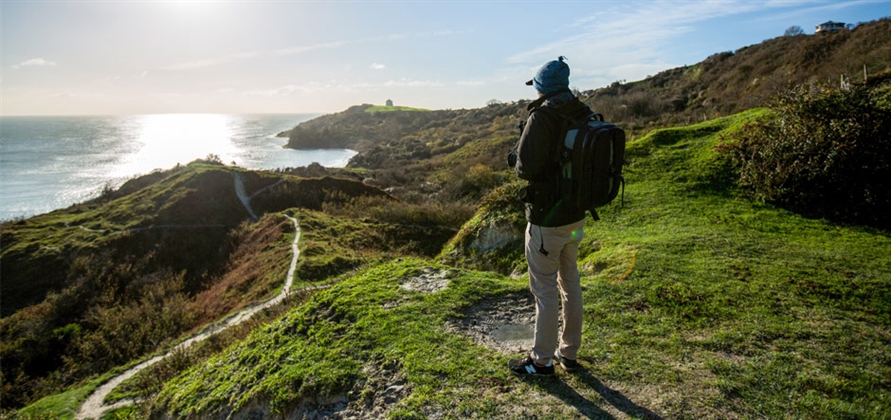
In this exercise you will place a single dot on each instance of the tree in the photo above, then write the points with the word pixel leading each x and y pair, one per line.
pixel 793 30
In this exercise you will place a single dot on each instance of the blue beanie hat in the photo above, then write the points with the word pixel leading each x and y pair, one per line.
pixel 551 77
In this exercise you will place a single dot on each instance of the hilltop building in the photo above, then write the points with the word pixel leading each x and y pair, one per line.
pixel 389 102
pixel 830 26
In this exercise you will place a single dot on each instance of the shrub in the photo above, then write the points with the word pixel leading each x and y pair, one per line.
pixel 826 153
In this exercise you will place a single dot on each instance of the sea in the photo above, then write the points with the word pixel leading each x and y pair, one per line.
pixel 48 163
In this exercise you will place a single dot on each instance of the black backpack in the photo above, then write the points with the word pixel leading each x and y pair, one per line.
pixel 590 156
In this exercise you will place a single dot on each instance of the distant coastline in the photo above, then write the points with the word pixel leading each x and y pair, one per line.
pixel 52 162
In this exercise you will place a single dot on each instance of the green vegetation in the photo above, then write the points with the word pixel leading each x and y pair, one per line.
pixel 62 406
pixel 364 326
pixel 827 153
pixel 493 239
pixel 751 310
pixel 700 303
pixel 109 281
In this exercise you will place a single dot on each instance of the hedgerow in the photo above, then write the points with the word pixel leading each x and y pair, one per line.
pixel 825 153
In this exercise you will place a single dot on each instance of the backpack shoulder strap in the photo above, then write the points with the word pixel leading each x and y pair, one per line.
pixel 583 113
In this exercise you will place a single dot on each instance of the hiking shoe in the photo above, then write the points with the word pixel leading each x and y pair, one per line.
pixel 528 366
pixel 569 365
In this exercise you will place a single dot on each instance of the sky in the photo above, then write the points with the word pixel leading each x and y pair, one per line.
pixel 255 57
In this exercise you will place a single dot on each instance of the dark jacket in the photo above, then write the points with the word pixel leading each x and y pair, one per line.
pixel 536 162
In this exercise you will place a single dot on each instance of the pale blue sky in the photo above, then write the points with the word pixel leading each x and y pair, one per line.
pixel 131 57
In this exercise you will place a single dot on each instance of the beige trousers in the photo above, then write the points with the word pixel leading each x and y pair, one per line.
pixel 554 279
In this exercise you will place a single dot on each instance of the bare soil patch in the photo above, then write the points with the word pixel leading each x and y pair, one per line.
pixel 505 324
pixel 429 281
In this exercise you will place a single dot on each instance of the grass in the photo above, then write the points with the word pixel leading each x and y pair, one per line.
pixel 753 310
pixel 699 304
pixel 61 406
pixel 366 323
pixel 64 405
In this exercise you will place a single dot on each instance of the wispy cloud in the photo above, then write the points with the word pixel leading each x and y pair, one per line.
pixel 279 91
pixel 307 48
pixel 817 8
pixel 638 26
pixel 34 62
pixel 299 49
pixel 208 62
pixel 169 95
pixel 195 64
pixel 340 86
pixel 630 40
pixel 405 82
pixel 378 66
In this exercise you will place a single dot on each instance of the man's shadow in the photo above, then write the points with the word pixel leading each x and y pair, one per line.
pixel 590 409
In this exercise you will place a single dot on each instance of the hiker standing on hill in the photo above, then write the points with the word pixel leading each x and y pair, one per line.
pixel 554 229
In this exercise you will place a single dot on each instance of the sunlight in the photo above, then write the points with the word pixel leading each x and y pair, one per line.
pixel 168 139
pixel 189 6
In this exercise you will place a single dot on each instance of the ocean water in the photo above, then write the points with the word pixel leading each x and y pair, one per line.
pixel 47 163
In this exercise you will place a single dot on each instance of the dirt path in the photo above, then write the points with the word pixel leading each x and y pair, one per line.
pixel 94 407
pixel 245 198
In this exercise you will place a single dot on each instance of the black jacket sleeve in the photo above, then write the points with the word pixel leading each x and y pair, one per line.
pixel 535 149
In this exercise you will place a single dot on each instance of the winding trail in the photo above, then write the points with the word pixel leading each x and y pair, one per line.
pixel 94 406
pixel 245 198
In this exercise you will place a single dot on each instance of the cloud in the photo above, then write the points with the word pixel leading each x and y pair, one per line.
pixel 194 64
pixel 378 66
pixel 34 62
pixel 168 95
pixel 470 83
pixel 820 7
pixel 291 89
pixel 307 48
pixel 189 65
pixel 449 33
pixel 208 62
pixel 339 86
pixel 638 26
pixel 634 39
pixel 403 82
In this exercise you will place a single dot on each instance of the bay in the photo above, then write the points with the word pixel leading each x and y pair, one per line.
pixel 47 163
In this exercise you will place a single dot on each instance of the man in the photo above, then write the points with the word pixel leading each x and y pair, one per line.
pixel 554 228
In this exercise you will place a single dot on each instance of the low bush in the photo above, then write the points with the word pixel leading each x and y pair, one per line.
pixel 386 210
pixel 826 153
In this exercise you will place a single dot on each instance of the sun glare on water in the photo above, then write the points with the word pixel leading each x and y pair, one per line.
pixel 165 140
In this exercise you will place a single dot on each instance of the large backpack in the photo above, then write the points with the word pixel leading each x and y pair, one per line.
pixel 590 157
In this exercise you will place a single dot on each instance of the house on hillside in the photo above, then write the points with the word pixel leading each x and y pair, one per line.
pixel 389 102
pixel 830 26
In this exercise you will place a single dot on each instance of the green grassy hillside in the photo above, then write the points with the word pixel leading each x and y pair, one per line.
pixel 98 284
pixel 698 305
